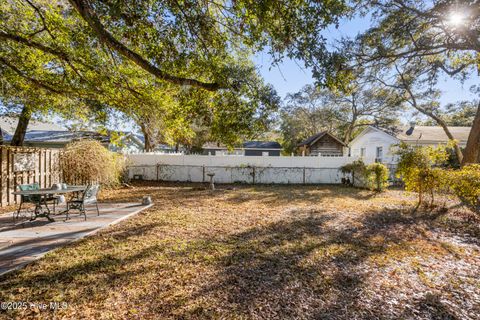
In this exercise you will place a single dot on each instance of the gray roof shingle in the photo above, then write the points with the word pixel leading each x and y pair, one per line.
pixel 9 124
pixel 431 133
pixel 261 145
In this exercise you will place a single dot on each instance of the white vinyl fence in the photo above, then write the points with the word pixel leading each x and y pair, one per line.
pixel 237 169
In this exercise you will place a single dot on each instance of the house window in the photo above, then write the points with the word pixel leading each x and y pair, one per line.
pixel 379 153
pixel 363 151
pixel 265 153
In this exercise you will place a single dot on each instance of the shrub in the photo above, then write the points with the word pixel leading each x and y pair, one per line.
pixel 419 167
pixel 355 169
pixel 423 169
pixel 376 176
pixel 87 161
pixel 465 184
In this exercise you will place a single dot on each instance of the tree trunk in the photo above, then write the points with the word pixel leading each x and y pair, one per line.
pixel 351 126
pixel 146 136
pixel 456 147
pixel 348 134
pixel 472 151
pixel 21 130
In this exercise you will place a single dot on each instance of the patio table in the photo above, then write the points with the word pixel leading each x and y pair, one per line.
pixel 43 194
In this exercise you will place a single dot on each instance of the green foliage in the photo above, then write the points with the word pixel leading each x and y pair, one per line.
pixel 465 184
pixel 419 168
pixel 423 170
pixel 376 175
pixel 357 166
pixel 459 114
pixel 373 176
pixel 87 161
pixel 200 81
pixel 412 156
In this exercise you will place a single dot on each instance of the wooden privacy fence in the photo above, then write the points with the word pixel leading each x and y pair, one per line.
pixel 22 165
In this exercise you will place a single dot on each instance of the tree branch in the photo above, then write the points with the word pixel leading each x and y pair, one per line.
pixel 34 44
pixel 45 27
pixel 450 72
pixel 86 12
pixel 34 81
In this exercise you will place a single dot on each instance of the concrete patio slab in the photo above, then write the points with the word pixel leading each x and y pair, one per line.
pixel 26 241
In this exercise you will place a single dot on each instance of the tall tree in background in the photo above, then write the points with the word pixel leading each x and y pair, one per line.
pixel 306 113
pixel 459 114
pixel 414 81
pixel 367 105
pixel 443 34
pixel 312 110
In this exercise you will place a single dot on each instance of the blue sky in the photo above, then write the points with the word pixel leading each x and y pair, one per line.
pixel 290 76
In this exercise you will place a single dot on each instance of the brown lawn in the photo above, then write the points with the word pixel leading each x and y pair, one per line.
pixel 263 252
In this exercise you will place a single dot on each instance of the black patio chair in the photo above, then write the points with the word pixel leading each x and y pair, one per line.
pixel 89 196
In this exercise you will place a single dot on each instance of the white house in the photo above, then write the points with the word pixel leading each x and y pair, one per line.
pixel 374 144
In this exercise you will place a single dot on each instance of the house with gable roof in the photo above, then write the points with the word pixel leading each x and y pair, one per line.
pixel 376 145
pixel 323 144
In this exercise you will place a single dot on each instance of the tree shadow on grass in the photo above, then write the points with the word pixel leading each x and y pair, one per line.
pixel 121 234
pixel 50 278
pixel 93 279
pixel 305 267
pixel 294 269
pixel 277 195
pixel 429 306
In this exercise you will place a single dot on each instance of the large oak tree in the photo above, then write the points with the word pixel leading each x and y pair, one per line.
pixel 117 53
pixel 440 34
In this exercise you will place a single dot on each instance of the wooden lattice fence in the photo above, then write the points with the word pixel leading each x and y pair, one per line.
pixel 22 165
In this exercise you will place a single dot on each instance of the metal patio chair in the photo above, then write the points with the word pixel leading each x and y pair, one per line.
pixel 89 196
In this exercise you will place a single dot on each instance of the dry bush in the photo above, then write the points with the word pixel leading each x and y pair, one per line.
pixel 87 161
